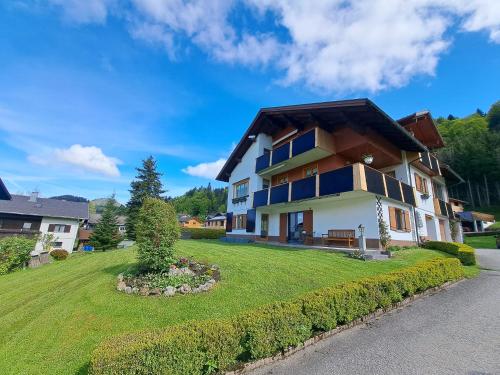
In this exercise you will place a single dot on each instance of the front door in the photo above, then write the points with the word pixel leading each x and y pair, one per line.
pixel 442 230
pixel 264 225
pixel 295 226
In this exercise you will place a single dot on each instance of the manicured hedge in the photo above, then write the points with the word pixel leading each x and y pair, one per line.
pixel 219 345
pixel 464 252
pixel 203 233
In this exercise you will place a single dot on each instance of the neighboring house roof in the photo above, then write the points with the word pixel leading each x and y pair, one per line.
pixel 217 218
pixel 183 218
pixel 24 205
pixel 457 200
pixel 95 218
pixel 473 215
pixel 329 115
pixel 4 193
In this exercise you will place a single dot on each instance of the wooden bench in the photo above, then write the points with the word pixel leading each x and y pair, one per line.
pixel 344 235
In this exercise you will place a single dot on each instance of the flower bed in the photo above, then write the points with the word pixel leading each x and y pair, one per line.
pixel 185 276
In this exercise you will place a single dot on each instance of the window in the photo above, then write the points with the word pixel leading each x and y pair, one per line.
pixel 27 226
pixel 240 189
pixel 56 244
pixel 438 190
pixel 311 170
pixel 421 184
pixel 282 179
pixel 59 228
pixel 399 219
pixel 265 183
pixel 239 221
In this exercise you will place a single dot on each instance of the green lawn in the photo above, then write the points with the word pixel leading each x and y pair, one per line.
pixel 52 317
pixel 481 242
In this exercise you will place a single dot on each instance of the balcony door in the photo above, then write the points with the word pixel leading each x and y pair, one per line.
pixel 295 226
pixel 264 225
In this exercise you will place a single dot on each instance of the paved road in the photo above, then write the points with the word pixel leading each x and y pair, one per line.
pixel 456 331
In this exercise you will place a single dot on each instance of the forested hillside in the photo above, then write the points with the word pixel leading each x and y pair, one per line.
pixel 473 151
pixel 201 201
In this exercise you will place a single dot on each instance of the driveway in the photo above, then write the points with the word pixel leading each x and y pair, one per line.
pixel 455 331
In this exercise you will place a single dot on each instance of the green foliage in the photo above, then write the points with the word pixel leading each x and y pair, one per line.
pixel 146 185
pixel 385 236
pixel 203 233
pixel 464 252
pixel 59 254
pixel 199 348
pixel 105 235
pixel 157 231
pixel 15 253
pixel 493 117
pixel 46 240
pixel 201 201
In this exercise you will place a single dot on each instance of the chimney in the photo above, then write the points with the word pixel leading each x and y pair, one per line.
pixel 33 196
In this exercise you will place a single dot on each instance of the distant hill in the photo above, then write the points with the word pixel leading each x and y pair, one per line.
pixel 70 198
pixel 99 203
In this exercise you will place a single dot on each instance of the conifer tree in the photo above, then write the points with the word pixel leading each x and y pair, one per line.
pixel 146 185
pixel 106 235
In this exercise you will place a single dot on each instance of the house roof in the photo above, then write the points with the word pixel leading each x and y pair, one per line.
pixel 422 126
pixel 449 174
pixel 216 218
pixel 4 193
pixel 474 215
pixel 21 204
pixel 95 218
pixel 457 200
pixel 328 115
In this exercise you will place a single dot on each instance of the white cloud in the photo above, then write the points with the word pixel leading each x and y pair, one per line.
pixel 328 45
pixel 84 11
pixel 88 158
pixel 205 170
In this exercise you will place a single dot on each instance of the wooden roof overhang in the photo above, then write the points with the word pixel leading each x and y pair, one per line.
pixel 450 175
pixel 356 113
pixel 422 126
pixel 4 193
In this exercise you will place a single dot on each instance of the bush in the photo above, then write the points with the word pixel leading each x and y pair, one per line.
pixel 203 233
pixel 59 254
pixel 156 232
pixel 15 253
pixel 464 252
pixel 217 346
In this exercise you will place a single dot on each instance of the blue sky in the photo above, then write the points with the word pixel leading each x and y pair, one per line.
pixel 89 89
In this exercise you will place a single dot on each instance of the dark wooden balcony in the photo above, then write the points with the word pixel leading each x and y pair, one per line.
pixel 443 208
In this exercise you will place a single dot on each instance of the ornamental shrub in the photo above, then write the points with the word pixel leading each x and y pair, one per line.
pixel 156 232
pixel 15 253
pixel 59 254
pixel 464 252
pixel 203 233
pixel 220 345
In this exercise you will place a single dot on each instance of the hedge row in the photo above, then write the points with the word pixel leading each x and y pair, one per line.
pixel 464 252
pixel 203 233
pixel 219 345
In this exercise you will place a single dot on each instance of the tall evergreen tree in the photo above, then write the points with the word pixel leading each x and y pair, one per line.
pixel 106 235
pixel 146 185
pixel 494 117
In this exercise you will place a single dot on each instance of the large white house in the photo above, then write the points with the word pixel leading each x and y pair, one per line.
pixel 315 173
pixel 32 215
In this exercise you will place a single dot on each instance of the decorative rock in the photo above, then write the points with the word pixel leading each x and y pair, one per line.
pixel 169 291
pixel 211 281
pixel 185 288
pixel 120 277
pixel 128 290
pixel 144 291
pixel 196 290
pixel 135 290
pixel 155 292
pixel 121 286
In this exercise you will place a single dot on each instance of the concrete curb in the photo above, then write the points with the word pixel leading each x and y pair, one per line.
pixel 364 320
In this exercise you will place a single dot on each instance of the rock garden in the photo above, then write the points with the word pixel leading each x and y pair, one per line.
pixel 158 272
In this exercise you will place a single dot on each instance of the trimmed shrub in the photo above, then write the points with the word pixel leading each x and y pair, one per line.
pixel 464 252
pixel 203 233
pixel 59 254
pixel 15 253
pixel 217 346
pixel 156 232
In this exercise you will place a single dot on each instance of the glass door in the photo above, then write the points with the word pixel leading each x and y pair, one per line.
pixel 264 225
pixel 295 226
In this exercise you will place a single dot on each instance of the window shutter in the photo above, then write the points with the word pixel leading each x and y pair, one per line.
pixel 407 221
pixel 392 218
pixel 52 227
pixel 67 228
pixel 229 222
pixel 250 227
pixel 424 180
pixel 418 182
pixel 243 221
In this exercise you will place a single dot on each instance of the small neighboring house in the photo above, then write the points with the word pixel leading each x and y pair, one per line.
pixel 88 228
pixel 457 205
pixel 473 221
pixel 315 173
pixel 187 221
pixel 216 221
pixel 32 215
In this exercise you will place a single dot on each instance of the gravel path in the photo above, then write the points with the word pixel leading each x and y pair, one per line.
pixel 455 331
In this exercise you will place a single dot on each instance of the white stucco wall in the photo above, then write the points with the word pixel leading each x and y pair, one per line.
pixel 67 239
pixel 395 234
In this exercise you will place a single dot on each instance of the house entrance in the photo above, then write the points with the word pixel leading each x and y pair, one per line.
pixel 295 226
pixel 264 225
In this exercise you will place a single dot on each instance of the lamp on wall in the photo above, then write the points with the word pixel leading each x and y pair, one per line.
pixel 367 159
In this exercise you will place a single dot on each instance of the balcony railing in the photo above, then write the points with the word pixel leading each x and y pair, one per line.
pixel 443 208
pixel 431 162
pixel 312 145
pixel 356 177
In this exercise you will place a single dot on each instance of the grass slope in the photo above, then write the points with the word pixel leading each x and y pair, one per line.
pixel 481 242
pixel 52 317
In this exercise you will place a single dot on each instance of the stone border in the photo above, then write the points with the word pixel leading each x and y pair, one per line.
pixel 363 320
